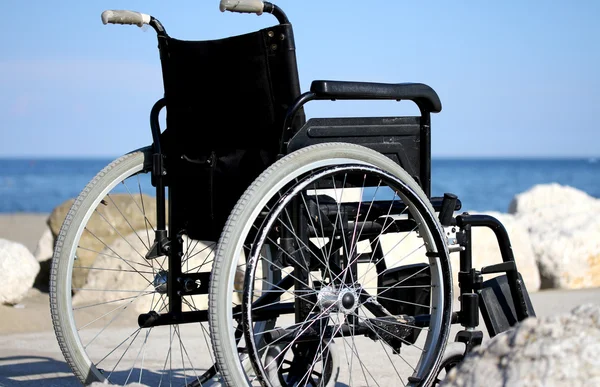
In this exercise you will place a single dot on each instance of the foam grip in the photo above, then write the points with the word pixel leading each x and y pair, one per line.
pixel 125 17
pixel 242 6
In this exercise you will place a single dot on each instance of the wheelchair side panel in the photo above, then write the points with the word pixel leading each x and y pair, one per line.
pixel 399 138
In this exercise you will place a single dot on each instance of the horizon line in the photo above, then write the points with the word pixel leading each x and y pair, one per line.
pixel 434 157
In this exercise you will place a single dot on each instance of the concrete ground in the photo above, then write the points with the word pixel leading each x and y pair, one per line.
pixel 29 351
pixel 34 358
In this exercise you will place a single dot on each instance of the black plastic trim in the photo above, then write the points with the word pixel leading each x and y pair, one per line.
pixel 424 96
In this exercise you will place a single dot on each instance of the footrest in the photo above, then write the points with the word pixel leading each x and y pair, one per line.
pixel 497 307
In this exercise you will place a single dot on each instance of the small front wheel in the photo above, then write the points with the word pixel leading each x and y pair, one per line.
pixel 454 354
pixel 286 369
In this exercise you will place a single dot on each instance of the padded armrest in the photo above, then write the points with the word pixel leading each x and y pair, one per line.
pixel 424 96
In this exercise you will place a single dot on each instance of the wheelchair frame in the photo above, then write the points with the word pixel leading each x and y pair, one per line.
pixel 425 98
pixel 503 301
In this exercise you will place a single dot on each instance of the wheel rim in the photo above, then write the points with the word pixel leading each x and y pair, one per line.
pixel 346 295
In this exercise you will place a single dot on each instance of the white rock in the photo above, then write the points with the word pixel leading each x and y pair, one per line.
pixel 19 269
pixel 45 246
pixel 559 350
pixel 551 198
pixel 564 225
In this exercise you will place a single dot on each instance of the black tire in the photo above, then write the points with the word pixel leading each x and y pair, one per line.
pixel 453 356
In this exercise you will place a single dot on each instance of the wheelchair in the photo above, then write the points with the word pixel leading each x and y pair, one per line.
pixel 248 245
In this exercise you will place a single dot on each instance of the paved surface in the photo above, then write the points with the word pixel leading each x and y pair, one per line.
pixel 34 359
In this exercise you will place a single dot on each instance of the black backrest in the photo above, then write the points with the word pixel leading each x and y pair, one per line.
pixel 226 101
pixel 235 90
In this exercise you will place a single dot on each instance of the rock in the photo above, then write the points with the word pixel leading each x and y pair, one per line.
pixel 57 217
pixel 45 246
pixel 564 226
pixel 115 209
pixel 117 216
pixel 43 254
pixel 122 268
pixel 559 350
pixel 19 269
pixel 42 280
pixel 550 198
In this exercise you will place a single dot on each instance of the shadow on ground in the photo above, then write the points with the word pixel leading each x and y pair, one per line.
pixel 25 371
pixel 35 371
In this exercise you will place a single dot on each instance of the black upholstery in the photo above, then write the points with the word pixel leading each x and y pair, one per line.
pixel 226 100
pixel 234 91
pixel 424 96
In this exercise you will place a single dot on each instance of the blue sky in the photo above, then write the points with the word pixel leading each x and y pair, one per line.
pixel 516 78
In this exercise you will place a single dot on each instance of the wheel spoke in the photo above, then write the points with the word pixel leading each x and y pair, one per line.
pixel 362 365
pixel 101 329
pixel 121 235
pixel 134 231
pixel 327 248
pixel 113 319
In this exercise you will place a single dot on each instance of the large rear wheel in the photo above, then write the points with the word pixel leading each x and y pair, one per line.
pixel 101 283
pixel 360 258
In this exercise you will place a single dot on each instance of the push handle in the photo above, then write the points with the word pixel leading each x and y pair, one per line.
pixel 242 6
pixel 125 17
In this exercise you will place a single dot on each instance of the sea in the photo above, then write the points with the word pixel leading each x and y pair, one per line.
pixel 39 185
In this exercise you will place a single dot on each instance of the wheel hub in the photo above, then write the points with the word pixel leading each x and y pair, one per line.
pixel 327 298
pixel 348 300
pixel 160 282
pixel 343 300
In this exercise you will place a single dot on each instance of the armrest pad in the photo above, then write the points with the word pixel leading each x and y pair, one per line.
pixel 424 96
